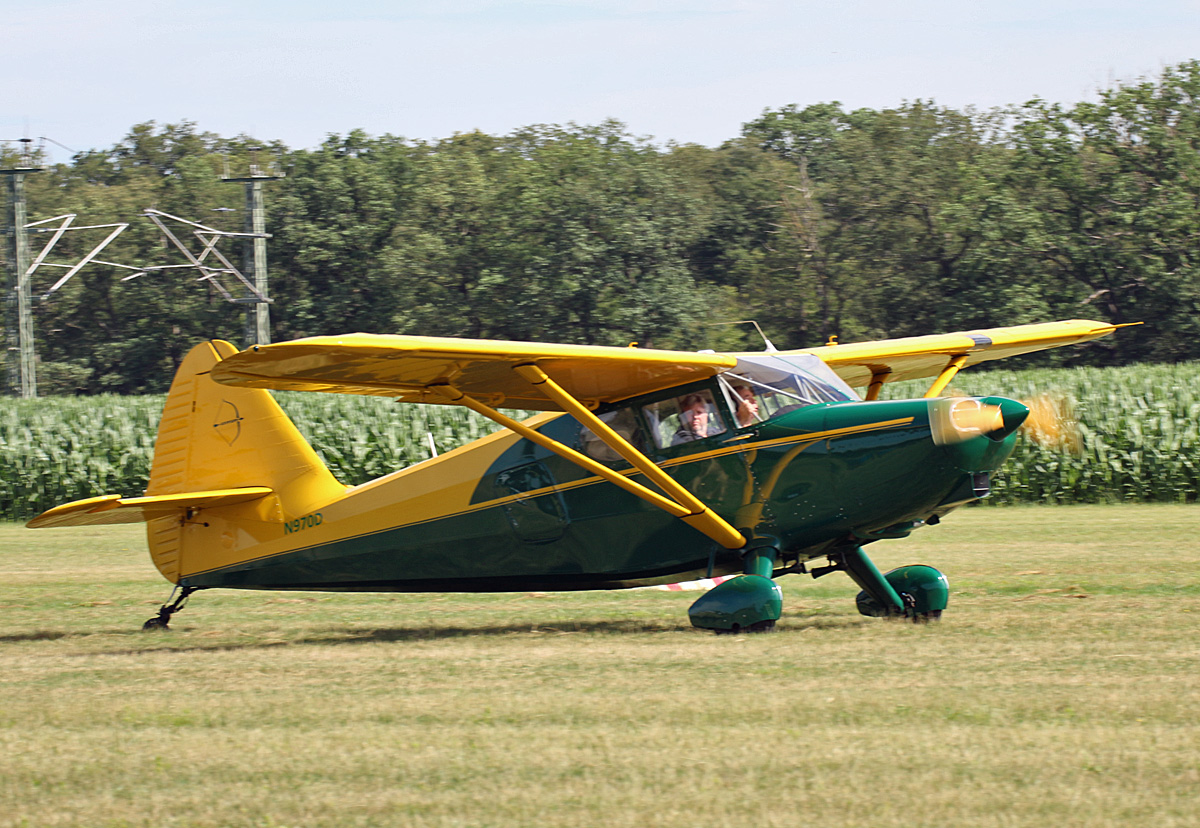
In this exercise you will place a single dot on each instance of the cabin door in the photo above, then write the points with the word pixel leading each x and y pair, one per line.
pixel 537 512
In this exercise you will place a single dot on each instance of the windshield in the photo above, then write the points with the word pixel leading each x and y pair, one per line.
pixel 762 387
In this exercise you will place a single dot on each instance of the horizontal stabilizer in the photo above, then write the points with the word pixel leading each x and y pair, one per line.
pixel 108 509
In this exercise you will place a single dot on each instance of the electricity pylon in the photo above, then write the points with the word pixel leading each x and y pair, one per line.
pixel 21 356
pixel 22 376
pixel 254 256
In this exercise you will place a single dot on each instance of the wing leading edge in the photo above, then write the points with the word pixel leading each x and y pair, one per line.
pixel 411 368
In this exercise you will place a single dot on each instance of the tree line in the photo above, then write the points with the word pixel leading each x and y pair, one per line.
pixel 815 221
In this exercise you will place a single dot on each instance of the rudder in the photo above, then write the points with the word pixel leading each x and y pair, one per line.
pixel 214 437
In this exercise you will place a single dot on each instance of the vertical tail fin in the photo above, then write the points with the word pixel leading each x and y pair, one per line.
pixel 215 437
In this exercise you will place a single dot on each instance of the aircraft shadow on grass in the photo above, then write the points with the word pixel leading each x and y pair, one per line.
pixel 351 635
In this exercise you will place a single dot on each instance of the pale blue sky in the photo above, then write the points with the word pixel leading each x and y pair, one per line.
pixel 82 72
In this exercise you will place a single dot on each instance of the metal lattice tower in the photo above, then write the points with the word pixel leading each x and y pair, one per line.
pixel 21 356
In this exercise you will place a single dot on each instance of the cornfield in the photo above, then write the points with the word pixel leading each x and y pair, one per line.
pixel 1138 438
pixel 361 438
pixel 57 449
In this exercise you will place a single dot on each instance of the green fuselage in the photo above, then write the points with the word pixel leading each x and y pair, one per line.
pixel 812 480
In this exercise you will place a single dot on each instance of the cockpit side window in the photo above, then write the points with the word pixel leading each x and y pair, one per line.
pixel 683 419
pixel 754 401
pixel 623 421
pixel 745 401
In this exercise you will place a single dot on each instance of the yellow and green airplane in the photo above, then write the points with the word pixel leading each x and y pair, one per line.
pixel 643 467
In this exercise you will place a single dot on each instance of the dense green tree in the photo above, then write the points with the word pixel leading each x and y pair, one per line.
pixel 1115 186
pixel 330 220
pixel 576 234
pixel 736 188
pixel 875 222
pixel 437 258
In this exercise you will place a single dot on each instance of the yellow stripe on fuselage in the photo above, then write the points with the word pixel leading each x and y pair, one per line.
pixel 811 437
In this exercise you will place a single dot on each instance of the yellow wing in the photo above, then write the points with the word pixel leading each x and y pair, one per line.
pixel 406 367
pixel 892 360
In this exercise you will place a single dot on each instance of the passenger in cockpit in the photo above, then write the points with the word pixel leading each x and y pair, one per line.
pixel 747 406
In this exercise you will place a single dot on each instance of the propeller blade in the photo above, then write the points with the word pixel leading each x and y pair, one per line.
pixel 1052 423
pixel 982 417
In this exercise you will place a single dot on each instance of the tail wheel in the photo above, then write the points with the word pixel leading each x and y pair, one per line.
pixel 921 617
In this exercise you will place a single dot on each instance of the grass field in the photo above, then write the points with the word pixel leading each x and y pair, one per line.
pixel 1061 689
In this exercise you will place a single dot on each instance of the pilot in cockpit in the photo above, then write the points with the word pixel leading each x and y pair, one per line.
pixel 693 420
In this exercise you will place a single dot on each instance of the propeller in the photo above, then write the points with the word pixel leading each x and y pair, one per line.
pixel 1048 419
pixel 1052 422
pixel 954 419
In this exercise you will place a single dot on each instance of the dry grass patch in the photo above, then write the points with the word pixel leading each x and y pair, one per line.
pixel 1059 690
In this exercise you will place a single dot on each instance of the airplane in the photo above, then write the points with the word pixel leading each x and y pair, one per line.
pixel 639 467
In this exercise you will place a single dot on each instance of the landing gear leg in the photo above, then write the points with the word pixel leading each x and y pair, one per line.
pixel 917 592
pixel 160 621
pixel 863 572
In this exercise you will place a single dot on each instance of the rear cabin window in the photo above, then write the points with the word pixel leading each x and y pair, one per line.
pixel 623 421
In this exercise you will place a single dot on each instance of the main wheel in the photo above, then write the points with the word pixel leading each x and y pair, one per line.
pixel 924 590
pixel 760 627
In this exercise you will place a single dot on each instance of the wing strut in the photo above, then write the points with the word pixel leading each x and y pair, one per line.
pixel 948 373
pixel 679 502
pixel 878 378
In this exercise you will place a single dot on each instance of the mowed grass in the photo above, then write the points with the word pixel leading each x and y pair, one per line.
pixel 1062 688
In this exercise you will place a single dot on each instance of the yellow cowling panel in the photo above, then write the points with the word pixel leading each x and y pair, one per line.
pixel 405 367
pixel 926 356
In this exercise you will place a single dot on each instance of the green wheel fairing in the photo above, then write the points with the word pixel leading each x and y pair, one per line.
pixel 929 588
pixel 740 603
pixel 925 591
